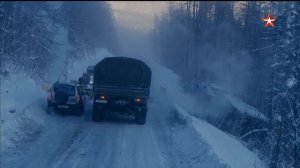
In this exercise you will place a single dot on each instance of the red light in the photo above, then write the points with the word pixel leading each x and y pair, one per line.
pixel 78 98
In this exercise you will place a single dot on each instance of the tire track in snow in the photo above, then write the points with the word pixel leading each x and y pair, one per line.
pixel 50 144
pixel 70 146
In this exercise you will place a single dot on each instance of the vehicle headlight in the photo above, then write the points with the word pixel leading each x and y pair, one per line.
pixel 91 82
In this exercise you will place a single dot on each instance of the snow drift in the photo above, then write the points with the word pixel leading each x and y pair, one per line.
pixel 21 110
pixel 226 148
pixel 211 147
pixel 23 102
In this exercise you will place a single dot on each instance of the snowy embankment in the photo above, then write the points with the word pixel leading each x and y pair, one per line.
pixel 21 109
pixel 223 149
pixel 244 107
pixel 226 148
pixel 236 102
pixel 23 102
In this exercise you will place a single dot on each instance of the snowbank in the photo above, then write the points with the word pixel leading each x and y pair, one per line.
pixel 236 102
pixel 23 101
pixel 21 116
pixel 228 150
pixel 17 92
pixel 166 84
pixel 244 107
pixel 223 150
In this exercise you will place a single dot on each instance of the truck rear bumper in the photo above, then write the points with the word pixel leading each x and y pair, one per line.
pixel 121 91
pixel 130 108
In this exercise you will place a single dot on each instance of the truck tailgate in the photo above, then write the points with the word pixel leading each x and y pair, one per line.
pixel 120 91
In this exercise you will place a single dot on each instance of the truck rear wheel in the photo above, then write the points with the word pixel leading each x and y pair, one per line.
pixel 140 117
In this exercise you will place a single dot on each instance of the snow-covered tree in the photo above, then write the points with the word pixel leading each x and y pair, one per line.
pixel 27 35
pixel 205 42
pixel 285 123
pixel 90 26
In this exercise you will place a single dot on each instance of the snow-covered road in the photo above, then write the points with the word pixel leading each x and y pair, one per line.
pixel 166 140
pixel 72 141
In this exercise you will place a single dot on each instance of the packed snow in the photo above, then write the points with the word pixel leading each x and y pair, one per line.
pixel 237 102
pixel 20 110
pixel 23 101
pixel 228 149
pixel 244 107
pixel 291 82
pixel 17 92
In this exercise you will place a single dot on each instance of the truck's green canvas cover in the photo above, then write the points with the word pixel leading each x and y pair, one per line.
pixel 122 72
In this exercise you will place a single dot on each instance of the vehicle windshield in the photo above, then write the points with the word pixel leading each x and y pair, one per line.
pixel 68 89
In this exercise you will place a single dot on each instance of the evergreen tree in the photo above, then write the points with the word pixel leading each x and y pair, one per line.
pixel 90 26
pixel 285 112
pixel 27 37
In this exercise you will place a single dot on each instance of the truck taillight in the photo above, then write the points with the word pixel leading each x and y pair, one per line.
pixel 103 97
pixel 138 100
pixel 78 98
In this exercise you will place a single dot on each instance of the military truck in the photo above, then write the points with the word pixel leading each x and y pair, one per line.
pixel 121 84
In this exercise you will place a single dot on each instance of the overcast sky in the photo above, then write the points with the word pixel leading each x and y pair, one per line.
pixel 137 15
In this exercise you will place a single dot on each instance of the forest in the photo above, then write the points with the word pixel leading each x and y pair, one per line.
pixel 226 43
pixel 29 30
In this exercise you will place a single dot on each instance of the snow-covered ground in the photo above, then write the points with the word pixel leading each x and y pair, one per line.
pixel 244 107
pixel 23 100
pixel 171 138
pixel 236 102
pixel 19 94
pixel 226 148
pixel 222 149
